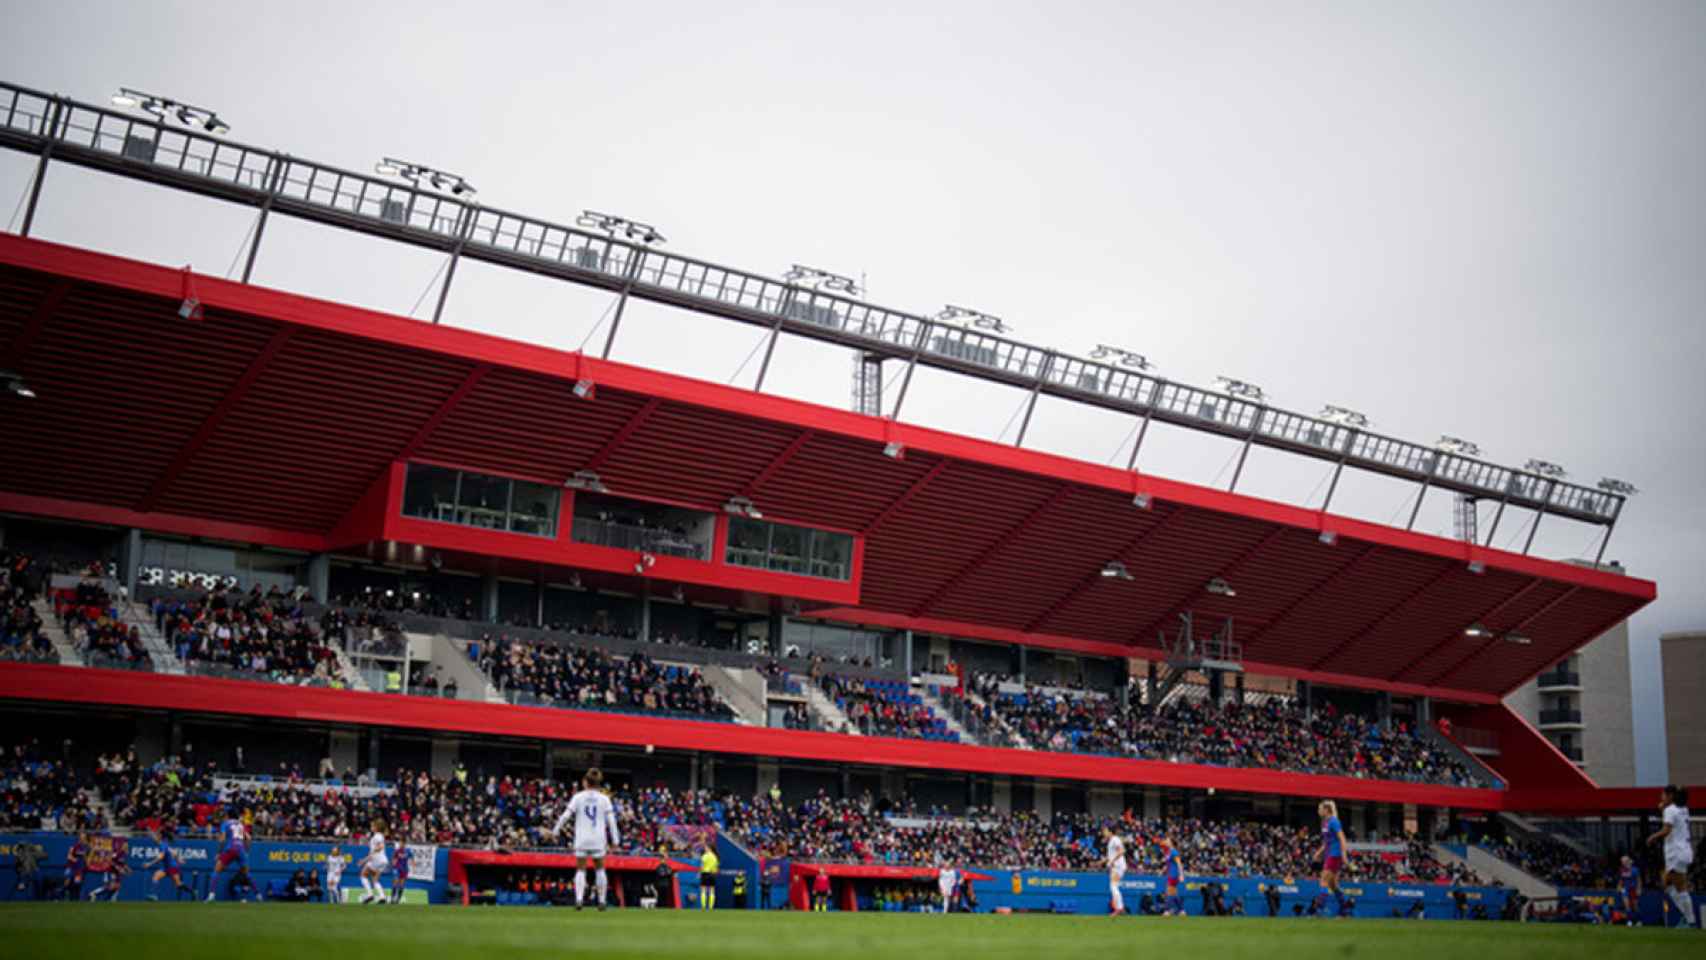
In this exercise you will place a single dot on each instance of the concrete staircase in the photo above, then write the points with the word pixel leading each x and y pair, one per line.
pixel 1525 826
pixel 743 691
pixel 829 715
pixel 1503 871
pixel 62 645
pixel 452 658
pixel 939 709
pixel 352 677
pixel 164 657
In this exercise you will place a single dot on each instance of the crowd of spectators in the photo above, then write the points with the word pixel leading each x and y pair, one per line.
pixel 265 634
pixel 884 708
pixel 90 618
pixel 1553 861
pixel 39 791
pixel 21 633
pixel 590 678
pixel 1276 734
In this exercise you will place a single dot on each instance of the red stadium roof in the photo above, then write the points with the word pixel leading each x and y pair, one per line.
pixel 271 418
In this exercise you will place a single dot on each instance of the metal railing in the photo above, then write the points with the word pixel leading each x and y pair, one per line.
pixel 146 149
pixel 1560 678
pixel 627 536
pixel 1549 717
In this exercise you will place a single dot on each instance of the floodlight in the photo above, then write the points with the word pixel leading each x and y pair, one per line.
pixel 1477 567
pixel 1477 630
pixel 611 224
pixel 586 480
pixel 1343 416
pixel 1618 487
pixel 965 316
pixel 1121 356
pixel 168 109
pixel 452 183
pixel 388 168
pixel 583 389
pixel 894 450
pixel 813 278
pixel 1141 501
pixel 15 385
pixel 1521 640
pixel 1457 446
pixel 1220 587
pixel 126 98
pixel 742 507
pixel 1550 471
pixel 1115 570
pixel 1328 537
pixel 1242 389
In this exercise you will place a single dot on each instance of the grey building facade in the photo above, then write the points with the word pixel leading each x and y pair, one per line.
pixel 1683 659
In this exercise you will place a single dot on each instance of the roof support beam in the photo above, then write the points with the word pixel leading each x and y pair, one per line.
pixel 1451 569
pixel 623 433
pixel 1313 591
pixel 27 336
pixel 776 463
pixel 902 500
pixel 1548 607
pixel 209 424
pixel 425 430
pixel 1096 577
pixel 1485 615
pixel 1193 592
pixel 994 547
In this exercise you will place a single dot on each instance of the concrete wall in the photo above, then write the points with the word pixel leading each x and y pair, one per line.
pixel 1683 660
pixel 1608 715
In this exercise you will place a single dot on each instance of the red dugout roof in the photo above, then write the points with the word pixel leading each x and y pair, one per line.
pixel 271 418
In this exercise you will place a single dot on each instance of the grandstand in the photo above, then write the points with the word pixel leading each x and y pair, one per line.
pixel 464 570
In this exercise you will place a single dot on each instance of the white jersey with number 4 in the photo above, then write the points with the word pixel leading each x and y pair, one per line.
pixel 594 817
pixel 1678 853
pixel 376 852
pixel 1116 858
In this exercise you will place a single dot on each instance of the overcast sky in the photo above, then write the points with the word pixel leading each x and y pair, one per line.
pixel 1478 219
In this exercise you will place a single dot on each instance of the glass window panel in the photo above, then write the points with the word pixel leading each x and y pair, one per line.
pixel 430 492
pixel 483 501
pixel 749 542
pixel 533 509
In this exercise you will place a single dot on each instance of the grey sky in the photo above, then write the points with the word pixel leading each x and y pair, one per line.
pixel 1478 219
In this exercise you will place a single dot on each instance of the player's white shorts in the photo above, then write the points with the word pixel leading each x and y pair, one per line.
pixel 596 852
pixel 377 862
pixel 1116 873
pixel 1678 864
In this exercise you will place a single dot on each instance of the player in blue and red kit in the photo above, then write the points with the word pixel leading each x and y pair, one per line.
pixel 233 848
pixel 1629 882
pixel 1333 856
pixel 168 865
pixel 1173 872
pixel 76 864
pixel 399 873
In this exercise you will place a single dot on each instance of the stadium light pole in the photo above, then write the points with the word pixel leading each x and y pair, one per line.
pixel 422 177
pixel 1552 473
pixel 1354 423
pixel 1443 447
pixel 800 278
pixel 641 236
pixel 1249 392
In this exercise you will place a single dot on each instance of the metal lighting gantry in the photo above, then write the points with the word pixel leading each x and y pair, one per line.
pixel 623 261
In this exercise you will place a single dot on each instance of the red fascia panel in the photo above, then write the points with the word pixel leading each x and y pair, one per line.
pixel 84 512
pixel 405 333
pixel 366 521
pixel 49 683
pixel 1527 761
pixel 1603 800
pixel 1095 648
pixel 567 553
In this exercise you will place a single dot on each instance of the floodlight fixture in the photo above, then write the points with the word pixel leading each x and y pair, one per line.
pixel 1620 488
pixel 1121 357
pixel 440 180
pixel 1477 567
pixel 16 386
pixel 1115 570
pixel 586 480
pixel 679 594
pixel 967 317
pixel 894 450
pixel 1328 537
pixel 1550 471
pixel 1344 416
pixel 1242 389
pixel 1457 446
pixel 166 108
pixel 815 279
pixel 1520 639
pixel 613 226
pixel 742 507
pixel 1477 629
pixel 1220 588
pixel 583 388
pixel 1141 501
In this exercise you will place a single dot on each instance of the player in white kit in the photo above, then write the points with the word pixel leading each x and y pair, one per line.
pixel 374 865
pixel 1679 855
pixel 1116 870
pixel 595 829
pixel 946 879
pixel 335 864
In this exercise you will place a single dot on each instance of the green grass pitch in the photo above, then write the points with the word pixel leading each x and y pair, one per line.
pixel 143 931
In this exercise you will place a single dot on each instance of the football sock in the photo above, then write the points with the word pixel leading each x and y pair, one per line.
pixel 580 886
pixel 1680 899
pixel 603 886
